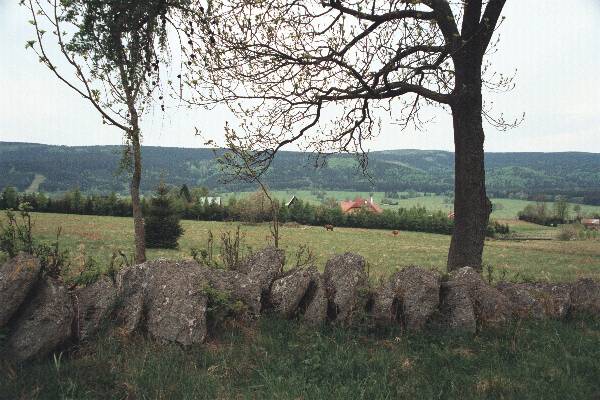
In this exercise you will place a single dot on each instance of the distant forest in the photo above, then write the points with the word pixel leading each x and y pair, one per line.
pixel 95 169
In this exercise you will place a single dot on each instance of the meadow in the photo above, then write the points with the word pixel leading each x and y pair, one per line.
pixel 276 359
pixel 520 260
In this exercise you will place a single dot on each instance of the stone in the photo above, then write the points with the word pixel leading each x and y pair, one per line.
pixel 456 309
pixel 491 307
pixel 538 300
pixel 385 308
pixel 263 267
pixel 314 302
pixel 468 303
pixel 176 304
pixel 93 305
pixel 17 277
pixel 346 287
pixel 239 287
pixel 410 296
pixel 288 291
pixel 43 325
pixel 164 298
pixel 523 304
pixel 585 297
pixel 131 282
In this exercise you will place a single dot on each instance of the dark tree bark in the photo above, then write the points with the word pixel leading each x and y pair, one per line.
pixel 472 207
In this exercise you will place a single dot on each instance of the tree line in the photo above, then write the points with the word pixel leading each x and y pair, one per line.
pixel 560 212
pixel 254 208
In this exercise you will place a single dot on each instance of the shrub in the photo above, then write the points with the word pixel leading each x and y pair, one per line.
pixel 162 223
pixel 567 232
pixel 496 228
pixel 16 236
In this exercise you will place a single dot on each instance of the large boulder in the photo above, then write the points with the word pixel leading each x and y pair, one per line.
pixel 238 286
pixel 314 303
pixel 176 303
pixel 585 297
pixel 92 305
pixel 523 303
pixel 538 300
pixel 263 267
pixel 44 324
pixel 410 296
pixel 300 293
pixel 346 286
pixel 491 307
pixel 17 277
pixel 131 285
pixel 466 296
pixel 288 291
pixel 164 298
pixel 456 308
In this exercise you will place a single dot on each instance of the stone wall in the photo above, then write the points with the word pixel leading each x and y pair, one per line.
pixel 172 300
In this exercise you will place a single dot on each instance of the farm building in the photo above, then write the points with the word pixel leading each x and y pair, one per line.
pixel 591 223
pixel 358 204
pixel 292 201
pixel 210 200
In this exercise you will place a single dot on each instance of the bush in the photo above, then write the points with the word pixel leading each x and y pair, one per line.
pixel 577 232
pixel 16 236
pixel 162 223
pixel 496 228
pixel 568 232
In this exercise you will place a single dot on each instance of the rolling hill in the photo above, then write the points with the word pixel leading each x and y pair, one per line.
pixel 95 169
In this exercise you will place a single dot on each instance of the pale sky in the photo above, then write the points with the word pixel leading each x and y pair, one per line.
pixel 554 45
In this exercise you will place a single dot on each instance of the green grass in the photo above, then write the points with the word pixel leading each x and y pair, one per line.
pixel 283 360
pixel 521 260
pixel 505 208
pixel 275 359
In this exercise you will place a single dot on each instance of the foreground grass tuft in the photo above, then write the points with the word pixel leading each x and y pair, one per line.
pixel 285 360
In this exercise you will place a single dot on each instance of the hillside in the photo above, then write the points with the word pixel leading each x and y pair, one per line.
pixel 94 169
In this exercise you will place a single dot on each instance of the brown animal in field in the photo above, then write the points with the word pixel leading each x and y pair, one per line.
pixel 395 233
pixel 329 227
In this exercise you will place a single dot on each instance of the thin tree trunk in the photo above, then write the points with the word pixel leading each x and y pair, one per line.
pixel 472 207
pixel 138 218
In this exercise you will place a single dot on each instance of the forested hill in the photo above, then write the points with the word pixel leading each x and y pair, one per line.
pixel 94 169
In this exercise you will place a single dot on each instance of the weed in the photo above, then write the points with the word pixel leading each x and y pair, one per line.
pixel 220 306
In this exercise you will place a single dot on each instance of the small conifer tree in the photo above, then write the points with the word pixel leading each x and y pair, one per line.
pixel 162 222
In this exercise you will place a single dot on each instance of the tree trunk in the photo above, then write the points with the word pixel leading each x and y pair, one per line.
pixel 138 218
pixel 472 207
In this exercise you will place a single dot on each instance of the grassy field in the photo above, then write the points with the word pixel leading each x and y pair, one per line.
pixel 277 359
pixel 519 260
pixel 504 208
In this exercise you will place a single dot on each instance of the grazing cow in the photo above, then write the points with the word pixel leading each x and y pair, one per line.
pixel 329 227
pixel 395 233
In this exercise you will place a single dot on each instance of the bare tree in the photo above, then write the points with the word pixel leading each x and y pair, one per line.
pixel 112 52
pixel 242 160
pixel 319 73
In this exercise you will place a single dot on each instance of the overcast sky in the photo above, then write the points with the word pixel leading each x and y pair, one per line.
pixel 554 46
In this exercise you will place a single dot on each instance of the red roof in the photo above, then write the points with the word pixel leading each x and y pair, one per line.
pixel 359 203
pixel 591 221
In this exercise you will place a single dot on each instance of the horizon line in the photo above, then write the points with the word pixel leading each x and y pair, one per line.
pixel 299 151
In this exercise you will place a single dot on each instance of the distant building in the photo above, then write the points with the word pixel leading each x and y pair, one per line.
pixel 358 204
pixel 210 200
pixel 293 200
pixel 591 223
